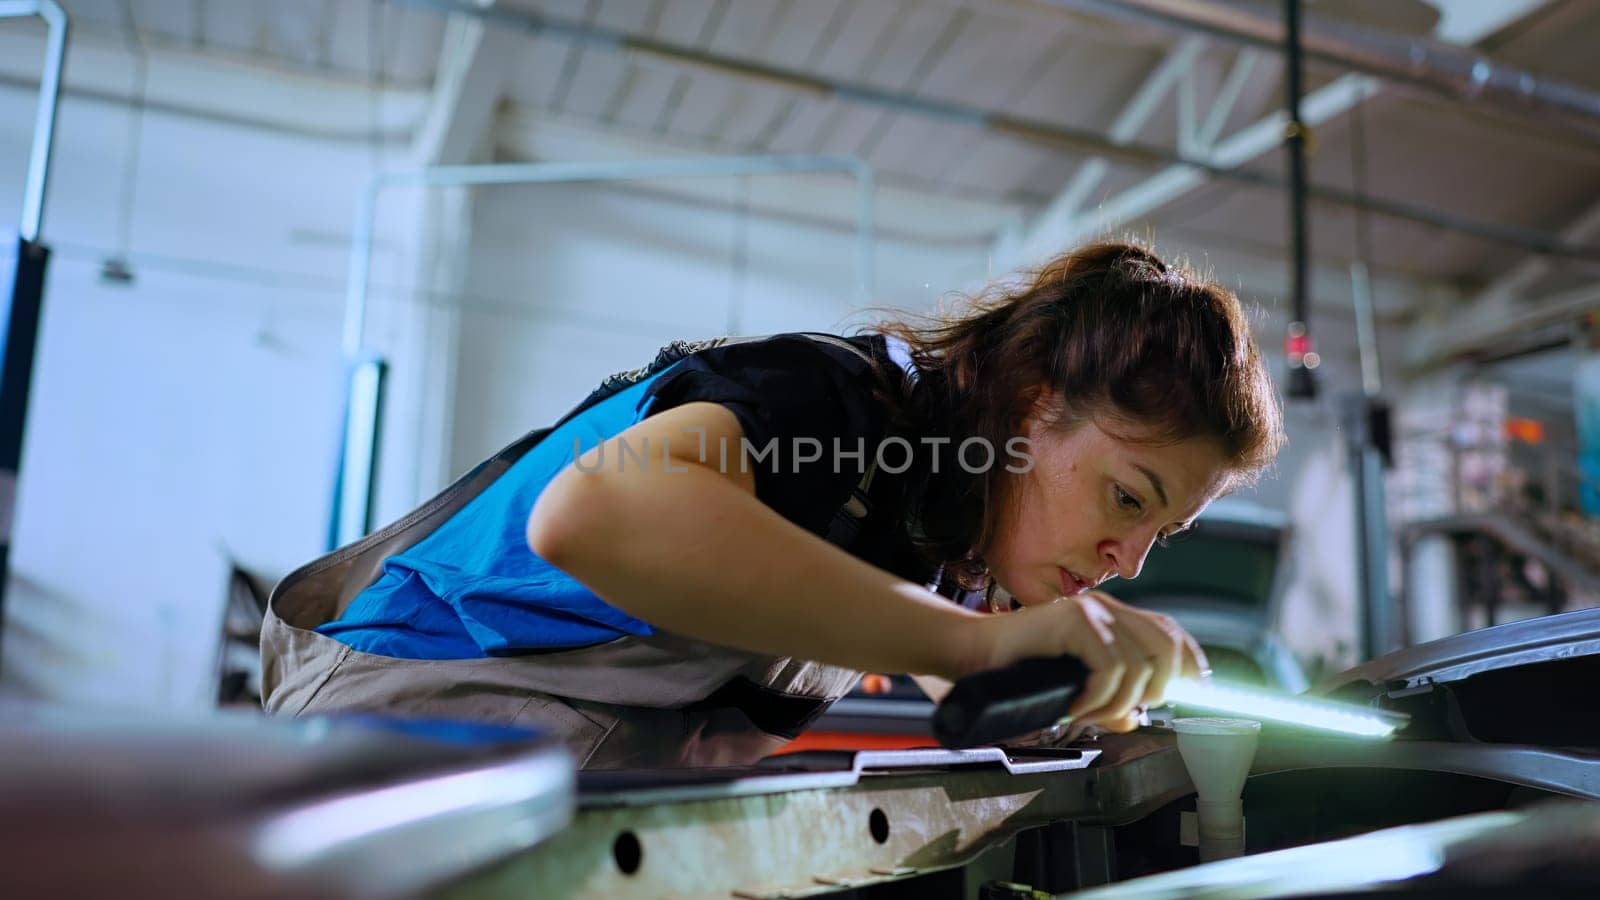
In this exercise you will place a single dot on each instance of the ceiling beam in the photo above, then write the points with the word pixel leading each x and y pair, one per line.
pixel 1176 66
pixel 1519 278
pixel 1502 310
pixel 650 52
pixel 475 61
pixel 1427 66
pixel 902 211
pixel 1049 234
pixel 237 88
pixel 1244 65
pixel 1486 327
pixel 471 78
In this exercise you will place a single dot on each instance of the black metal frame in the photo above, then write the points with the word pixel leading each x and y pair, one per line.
pixel 24 306
pixel 24 297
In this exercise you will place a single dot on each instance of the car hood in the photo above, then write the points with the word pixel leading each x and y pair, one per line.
pixel 1546 639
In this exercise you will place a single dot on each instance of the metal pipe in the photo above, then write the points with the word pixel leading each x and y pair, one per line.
pixel 1435 67
pixel 620 42
pixel 23 299
pixel 44 122
pixel 1295 142
pixel 1048 134
pixel 353 497
pixel 1364 415
pixel 1360 278
pixel 1366 329
pixel 572 172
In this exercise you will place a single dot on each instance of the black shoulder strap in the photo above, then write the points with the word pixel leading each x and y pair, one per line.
pixel 852 514
pixel 848 519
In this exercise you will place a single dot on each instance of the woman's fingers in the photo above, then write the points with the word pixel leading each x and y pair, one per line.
pixel 1195 664
pixel 1094 643
pixel 1163 643
pixel 1131 655
pixel 1122 724
pixel 1136 672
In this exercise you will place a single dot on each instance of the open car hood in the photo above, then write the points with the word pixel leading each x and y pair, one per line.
pixel 1546 639
pixel 1527 683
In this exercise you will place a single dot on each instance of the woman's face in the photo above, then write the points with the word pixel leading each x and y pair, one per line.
pixel 1093 504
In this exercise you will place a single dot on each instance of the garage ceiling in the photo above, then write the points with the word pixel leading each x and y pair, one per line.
pixel 1033 60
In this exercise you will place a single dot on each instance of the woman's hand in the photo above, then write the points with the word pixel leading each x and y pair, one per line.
pixel 1131 654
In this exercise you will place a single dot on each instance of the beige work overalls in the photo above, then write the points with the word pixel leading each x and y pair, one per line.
pixel 636 702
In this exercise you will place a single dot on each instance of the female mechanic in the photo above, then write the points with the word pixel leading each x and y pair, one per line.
pixel 700 558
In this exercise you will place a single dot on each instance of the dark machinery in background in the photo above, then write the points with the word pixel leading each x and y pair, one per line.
pixel 1499 491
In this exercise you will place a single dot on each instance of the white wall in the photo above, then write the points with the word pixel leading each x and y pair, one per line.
pixel 179 419
pixel 606 276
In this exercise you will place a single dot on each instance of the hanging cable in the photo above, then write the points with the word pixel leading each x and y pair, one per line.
pixel 1360 273
pixel 1358 179
pixel 116 268
pixel 1298 346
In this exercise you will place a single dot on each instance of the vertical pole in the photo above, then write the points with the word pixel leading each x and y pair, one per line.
pixel 24 298
pixel 20 319
pixel 354 501
pixel 1586 416
pixel 44 120
pixel 1302 385
pixel 1365 424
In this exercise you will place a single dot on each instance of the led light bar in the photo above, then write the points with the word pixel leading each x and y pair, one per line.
pixel 1252 703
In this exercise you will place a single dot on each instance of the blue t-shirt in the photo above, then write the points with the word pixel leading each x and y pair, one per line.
pixel 474 589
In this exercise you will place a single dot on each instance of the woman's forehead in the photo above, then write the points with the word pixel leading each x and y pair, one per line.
pixel 1180 473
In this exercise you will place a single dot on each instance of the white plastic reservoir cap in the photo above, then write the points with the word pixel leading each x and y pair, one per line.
pixel 1218 754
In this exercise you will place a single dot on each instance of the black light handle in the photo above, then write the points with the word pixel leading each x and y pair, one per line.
pixel 1022 698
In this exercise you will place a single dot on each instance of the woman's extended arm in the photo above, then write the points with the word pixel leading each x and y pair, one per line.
pixel 690 549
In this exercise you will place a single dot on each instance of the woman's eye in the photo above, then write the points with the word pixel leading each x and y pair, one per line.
pixel 1127 501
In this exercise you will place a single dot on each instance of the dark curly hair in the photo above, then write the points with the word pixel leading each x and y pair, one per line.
pixel 1127 339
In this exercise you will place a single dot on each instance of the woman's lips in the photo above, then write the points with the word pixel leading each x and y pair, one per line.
pixel 1072 584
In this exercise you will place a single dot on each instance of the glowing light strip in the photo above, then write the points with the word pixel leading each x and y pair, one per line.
pixel 1257 704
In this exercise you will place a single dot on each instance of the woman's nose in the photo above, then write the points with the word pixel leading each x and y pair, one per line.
pixel 1126 557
